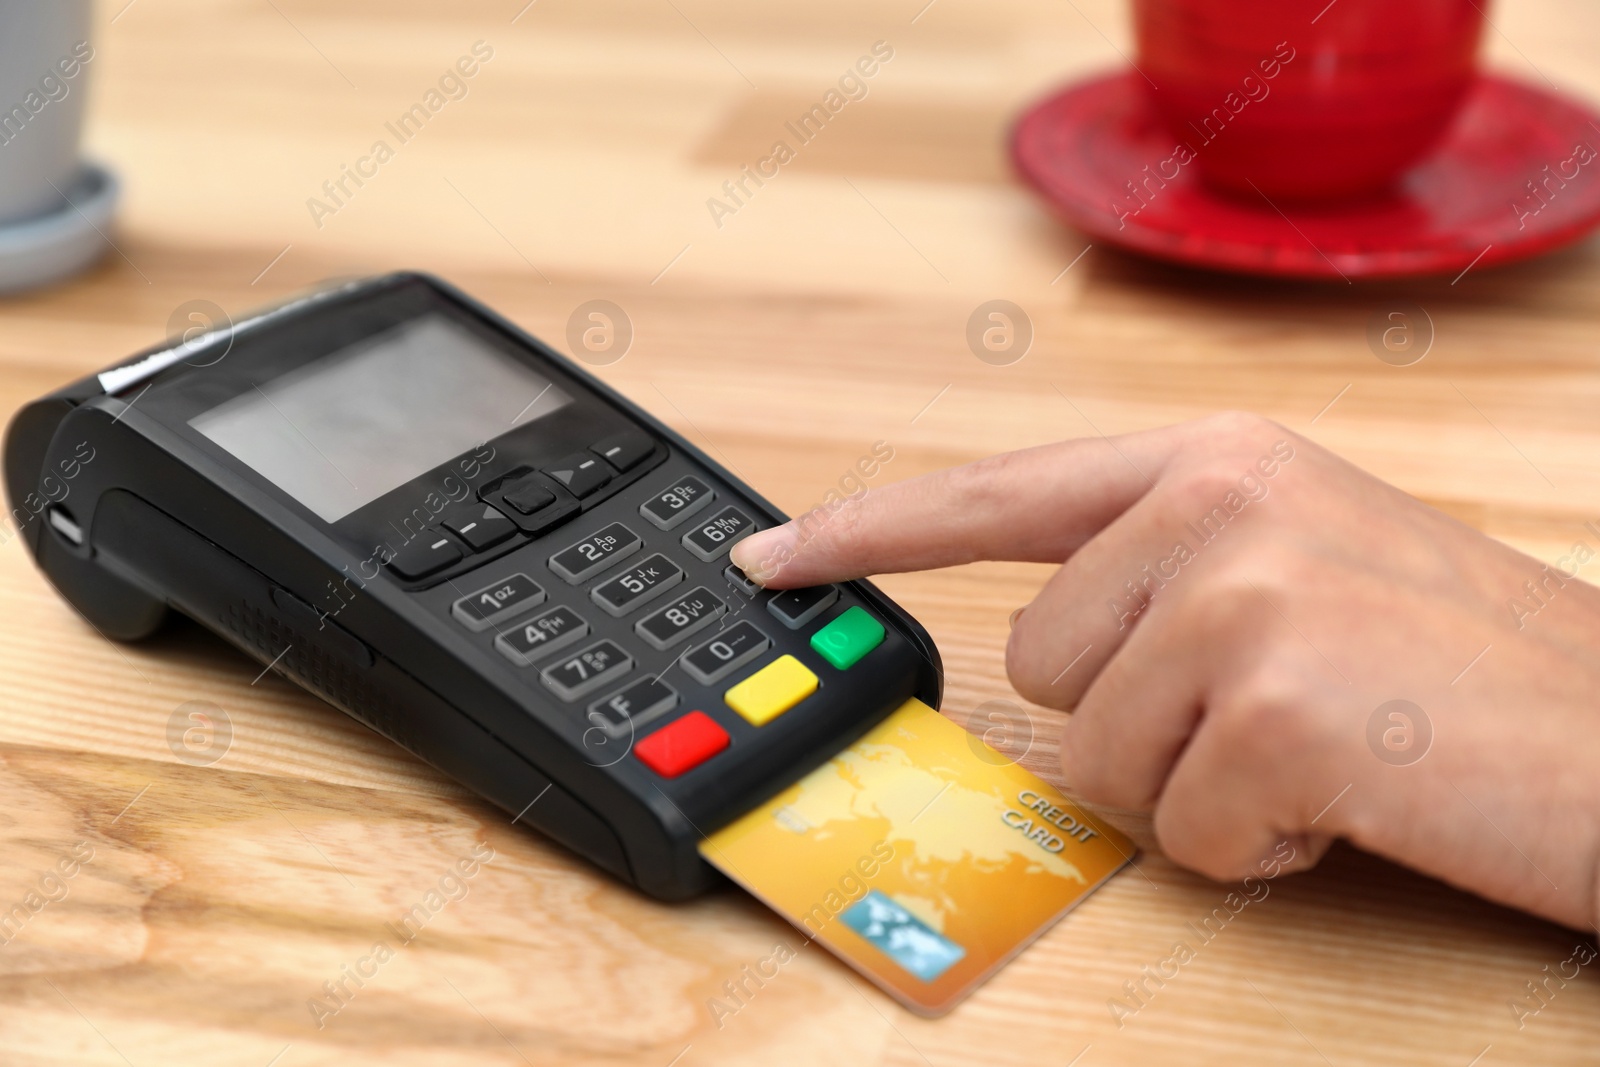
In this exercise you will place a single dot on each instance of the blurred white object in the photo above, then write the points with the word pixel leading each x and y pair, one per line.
pixel 55 210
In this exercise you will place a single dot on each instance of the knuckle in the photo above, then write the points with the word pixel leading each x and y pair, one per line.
pixel 1269 719
pixel 1201 487
pixel 1086 769
pixel 1242 428
pixel 1225 606
pixel 1026 653
pixel 1245 592
pixel 1183 844
pixel 1078 764
pixel 1221 449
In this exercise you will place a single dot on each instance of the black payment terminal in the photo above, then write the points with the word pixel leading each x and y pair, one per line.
pixel 433 521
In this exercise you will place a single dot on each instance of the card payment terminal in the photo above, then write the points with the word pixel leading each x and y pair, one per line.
pixel 431 520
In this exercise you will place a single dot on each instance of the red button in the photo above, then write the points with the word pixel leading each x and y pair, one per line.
pixel 679 746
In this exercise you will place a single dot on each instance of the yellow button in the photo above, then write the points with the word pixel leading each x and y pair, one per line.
pixel 772 690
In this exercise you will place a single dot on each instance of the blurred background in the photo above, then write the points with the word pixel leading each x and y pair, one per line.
pixel 834 302
pixel 581 162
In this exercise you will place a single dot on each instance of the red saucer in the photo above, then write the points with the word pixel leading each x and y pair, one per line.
pixel 1460 207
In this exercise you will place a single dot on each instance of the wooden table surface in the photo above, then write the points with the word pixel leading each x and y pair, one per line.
pixel 828 312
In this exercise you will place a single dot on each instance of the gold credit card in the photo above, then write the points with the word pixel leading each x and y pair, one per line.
pixel 920 857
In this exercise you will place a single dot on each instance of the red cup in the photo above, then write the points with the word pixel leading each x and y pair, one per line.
pixel 1306 99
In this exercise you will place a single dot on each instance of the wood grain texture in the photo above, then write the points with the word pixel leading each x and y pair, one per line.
pixel 827 313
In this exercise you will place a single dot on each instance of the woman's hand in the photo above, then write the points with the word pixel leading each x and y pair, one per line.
pixel 1235 612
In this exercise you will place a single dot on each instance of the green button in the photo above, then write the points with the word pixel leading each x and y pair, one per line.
pixel 849 637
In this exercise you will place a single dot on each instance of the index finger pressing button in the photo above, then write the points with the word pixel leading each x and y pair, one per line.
pixel 796 607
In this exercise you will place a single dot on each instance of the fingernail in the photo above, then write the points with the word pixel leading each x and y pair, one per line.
pixel 762 554
pixel 1015 615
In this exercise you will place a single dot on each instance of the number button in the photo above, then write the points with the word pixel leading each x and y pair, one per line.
pixel 542 635
pixel 725 653
pixel 644 701
pixel 677 502
pixel 636 585
pixel 737 580
pixel 498 602
pixel 586 671
pixel 796 607
pixel 595 553
pixel 716 535
pixel 687 615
